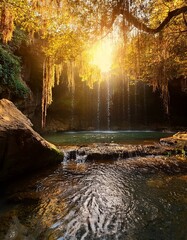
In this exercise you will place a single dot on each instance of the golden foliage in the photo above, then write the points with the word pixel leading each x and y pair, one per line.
pixel 65 27
pixel 48 84
pixel 7 23
pixel 58 72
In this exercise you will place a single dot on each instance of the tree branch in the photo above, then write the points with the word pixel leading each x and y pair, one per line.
pixel 142 26
pixel 184 18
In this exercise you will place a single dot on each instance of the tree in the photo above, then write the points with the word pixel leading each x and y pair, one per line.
pixel 64 28
pixel 49 25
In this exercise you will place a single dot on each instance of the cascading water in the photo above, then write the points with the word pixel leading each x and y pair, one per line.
pixel 98 106
pixel 108 103
pixel 72 108
pixel 145 104
pixel 135 102
pixel 123 97
pixel 129 105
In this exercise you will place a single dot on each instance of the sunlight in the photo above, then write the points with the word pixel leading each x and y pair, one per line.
pixel 102 54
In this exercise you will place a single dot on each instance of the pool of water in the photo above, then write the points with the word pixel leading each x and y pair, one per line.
pixel 99 202
pixel 88 137
pixel 126 199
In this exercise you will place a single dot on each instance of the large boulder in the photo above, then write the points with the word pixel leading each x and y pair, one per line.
pixel 22 150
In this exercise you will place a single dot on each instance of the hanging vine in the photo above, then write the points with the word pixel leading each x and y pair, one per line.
pixel 51 76
pixel 61 30
pixel 7 23
pixel 161 79
pixel 58 72
pixel 48 84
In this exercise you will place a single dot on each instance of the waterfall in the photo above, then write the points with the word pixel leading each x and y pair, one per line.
pixel 135 102
pixel 72 108
pixel 98 106
pixel 108 103
pixel 123 97
pixel 129 105
pixel 145 103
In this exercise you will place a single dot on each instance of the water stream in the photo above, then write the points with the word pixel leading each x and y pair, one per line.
pixel 108 104
pixel 135 102
pixel 129 105
pixel 100 200
pixel 145 104
pixel 72 108
pixel 98 106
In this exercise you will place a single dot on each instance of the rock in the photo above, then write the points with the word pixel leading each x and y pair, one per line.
pixel 177 141
pixel 114 151
pixel 22 149
pixel 56 125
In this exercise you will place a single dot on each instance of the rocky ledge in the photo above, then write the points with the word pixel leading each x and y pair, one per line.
pixel 112 151
pixel 176 144
pixel 22 150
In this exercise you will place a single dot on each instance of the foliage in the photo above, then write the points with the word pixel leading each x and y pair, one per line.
pixel 19 38
pixel 59 36
pixel 158 58
pixel 10 70
pixel 64 29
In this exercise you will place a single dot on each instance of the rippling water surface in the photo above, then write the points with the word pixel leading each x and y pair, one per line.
pixel 98 201
pixel 130 199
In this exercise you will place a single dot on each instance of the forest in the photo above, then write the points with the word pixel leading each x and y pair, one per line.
pixel 76 44
pixel 93 119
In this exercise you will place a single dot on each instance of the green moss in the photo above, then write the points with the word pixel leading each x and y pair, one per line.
pixel 58 152
pixel 10 73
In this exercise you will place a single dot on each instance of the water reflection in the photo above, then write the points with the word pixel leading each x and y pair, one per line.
pixel 106 201
pixel 87 137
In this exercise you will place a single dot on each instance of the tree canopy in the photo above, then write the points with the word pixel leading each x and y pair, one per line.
pixel 149 36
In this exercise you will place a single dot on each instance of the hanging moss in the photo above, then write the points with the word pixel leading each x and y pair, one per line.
pixel 48 84
pixel 10 73
pixel 7 23
pixel 51 75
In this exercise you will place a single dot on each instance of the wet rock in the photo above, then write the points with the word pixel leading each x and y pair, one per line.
pixel 22 149
pixel 177 141
pixel 56 125
pixel 115 151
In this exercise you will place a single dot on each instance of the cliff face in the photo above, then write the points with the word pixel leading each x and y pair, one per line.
pixel 22 149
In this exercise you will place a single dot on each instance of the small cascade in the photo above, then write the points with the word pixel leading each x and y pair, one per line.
pixel 108 103
pixel 129 105
pixel 66 157
pixel 72 109
pixel 74 155
pixel 81 158
pixel 98 106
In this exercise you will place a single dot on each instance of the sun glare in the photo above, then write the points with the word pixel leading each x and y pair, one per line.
pixel 102 55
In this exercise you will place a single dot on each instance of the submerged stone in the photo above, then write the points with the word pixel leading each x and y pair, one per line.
pixel 22 150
